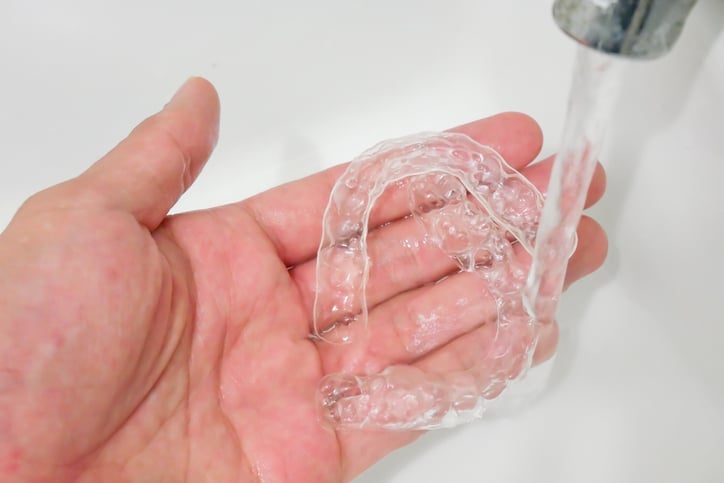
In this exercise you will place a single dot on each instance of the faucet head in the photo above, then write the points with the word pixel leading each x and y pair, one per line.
pixel 643 29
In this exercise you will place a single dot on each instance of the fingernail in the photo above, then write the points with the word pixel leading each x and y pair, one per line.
pixel 182 94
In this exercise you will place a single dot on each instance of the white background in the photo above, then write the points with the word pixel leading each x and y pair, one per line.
pixel 637 393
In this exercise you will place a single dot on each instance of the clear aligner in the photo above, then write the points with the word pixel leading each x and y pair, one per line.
pixel 476 208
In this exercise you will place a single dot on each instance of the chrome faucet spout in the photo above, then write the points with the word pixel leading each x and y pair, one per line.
pixel 643 29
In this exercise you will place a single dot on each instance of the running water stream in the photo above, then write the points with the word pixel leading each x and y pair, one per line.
pixel 593 94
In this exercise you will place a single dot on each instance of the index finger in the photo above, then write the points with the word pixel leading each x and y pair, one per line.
pixel 291 214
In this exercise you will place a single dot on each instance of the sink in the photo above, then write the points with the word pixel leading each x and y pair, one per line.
pixel 635 393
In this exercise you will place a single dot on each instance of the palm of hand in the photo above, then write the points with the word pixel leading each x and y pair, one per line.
pixel 240 382
pixel 195 360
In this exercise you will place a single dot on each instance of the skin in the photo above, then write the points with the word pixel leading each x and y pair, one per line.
pixel 138 346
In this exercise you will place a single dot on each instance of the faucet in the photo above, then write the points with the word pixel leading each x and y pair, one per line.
pixel 641 29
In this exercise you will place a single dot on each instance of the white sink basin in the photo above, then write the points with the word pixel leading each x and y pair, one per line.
pixel 637 390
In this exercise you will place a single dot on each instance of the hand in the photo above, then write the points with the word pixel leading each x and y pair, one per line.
pixel 147 347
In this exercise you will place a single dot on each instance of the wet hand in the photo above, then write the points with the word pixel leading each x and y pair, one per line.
pixel 151 347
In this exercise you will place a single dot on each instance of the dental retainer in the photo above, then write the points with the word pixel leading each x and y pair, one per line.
pixel 480 212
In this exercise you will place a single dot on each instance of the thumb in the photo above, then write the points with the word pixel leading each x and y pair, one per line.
pixel 149 171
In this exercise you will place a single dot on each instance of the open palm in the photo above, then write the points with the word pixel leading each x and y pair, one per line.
pixel 145 347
